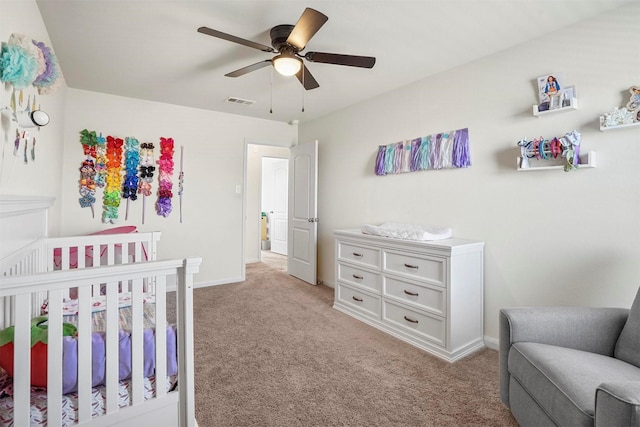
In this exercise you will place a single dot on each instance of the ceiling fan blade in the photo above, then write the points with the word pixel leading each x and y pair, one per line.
pixel 338 59
pixel 224 36
pixel 308 81
pixel 249 68
pixel 309 23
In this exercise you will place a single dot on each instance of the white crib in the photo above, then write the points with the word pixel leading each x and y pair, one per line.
pixel 34 268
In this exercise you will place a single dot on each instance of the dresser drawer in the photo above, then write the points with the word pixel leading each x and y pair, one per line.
pixel 360 301
pixel 431 269
pixel 366 256
pixel 430 298
pixel 420 325
pixel 359 277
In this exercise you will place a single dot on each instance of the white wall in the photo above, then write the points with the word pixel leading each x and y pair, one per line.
pixel 42 177
pixel 213 166
pixel 255 153
pixel 551 237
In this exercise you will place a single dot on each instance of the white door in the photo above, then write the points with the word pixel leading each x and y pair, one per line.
pixel 274 201
pixel 303 221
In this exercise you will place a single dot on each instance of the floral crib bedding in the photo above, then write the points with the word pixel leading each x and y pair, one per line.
pixel 70 362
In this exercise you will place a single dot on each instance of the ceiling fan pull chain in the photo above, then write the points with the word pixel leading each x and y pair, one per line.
pixel 303 87
pixel 271 89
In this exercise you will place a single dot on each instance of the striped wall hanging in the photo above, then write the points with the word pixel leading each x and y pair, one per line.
pixel 438 151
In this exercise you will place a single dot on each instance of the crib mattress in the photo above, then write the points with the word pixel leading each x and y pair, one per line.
pixel 70 401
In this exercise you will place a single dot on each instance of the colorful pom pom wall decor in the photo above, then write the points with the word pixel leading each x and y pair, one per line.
pixel 165 186
pixel 25 62
pixel 438 151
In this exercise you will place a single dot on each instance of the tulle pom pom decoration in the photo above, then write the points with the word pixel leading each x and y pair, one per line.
pixel 130 184
pixel 111 201
pixel 25 62
pixel 147 170
pixel 49 76
pixel 18 62
pixel 165 186
pixel 87 182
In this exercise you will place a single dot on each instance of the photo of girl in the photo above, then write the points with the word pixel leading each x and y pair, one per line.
pixel 549 86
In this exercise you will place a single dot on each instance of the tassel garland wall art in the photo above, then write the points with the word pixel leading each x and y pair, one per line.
pixel 437 151
pixel 165 163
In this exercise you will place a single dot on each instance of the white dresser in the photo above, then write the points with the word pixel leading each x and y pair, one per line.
pixel 429 294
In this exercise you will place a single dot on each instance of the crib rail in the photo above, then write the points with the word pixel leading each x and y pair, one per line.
pixel 55 284
pixel 66 253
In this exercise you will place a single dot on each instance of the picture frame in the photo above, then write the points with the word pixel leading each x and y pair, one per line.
pixel 549 85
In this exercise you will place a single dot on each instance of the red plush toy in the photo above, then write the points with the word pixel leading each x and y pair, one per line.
pixel 39 338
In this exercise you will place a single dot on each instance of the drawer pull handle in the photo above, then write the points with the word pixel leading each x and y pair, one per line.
pixel 411 266
pixel 413 294
pixel 358 299
pixel 408 319
pixel 357 254
pixel 355 276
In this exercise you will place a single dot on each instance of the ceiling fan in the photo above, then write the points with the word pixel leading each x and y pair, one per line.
pixel 288 41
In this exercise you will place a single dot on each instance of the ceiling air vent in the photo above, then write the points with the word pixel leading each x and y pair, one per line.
pixel 239 101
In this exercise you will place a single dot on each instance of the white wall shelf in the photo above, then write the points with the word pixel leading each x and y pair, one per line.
pixel 605 128
pixel 587 160
pixel 573 105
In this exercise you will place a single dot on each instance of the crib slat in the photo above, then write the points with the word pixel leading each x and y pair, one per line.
pixel 111 254
pixel 112 351
pixel 161 335
pixel 184 292
pixel 54 359
pixel 84 348
pixel 137 340
pixel 22 360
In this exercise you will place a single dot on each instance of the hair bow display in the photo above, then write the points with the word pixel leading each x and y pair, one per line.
pixel 165 163
pixel 130 185
pixel 88 171
pixel 113 180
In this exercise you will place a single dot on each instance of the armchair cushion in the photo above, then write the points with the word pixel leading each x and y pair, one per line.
pixel 562 380
pixel 628 345
pixel 618 404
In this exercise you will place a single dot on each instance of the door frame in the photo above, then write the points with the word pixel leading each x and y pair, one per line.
pixel 245 171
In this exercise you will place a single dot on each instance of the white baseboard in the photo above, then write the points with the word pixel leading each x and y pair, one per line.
pixel 491 343
pixel 218 282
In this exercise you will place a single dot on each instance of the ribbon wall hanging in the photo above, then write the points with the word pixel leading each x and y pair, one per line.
pixel 438 151
pixel 163 205
pixel 147 170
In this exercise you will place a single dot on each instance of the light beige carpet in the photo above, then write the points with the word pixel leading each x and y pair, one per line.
pixel 271 351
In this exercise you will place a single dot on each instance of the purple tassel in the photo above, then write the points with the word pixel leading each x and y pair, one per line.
pixel 397 167
pixel 415 154
pixel 389 159
pixel 434 154
pixel 461 157
pixel 382 150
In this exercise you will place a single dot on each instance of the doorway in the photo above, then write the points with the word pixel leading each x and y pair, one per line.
pixel 253 252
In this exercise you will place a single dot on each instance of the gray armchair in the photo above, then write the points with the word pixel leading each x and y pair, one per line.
pixel 571 366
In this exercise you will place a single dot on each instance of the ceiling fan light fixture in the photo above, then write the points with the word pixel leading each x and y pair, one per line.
pixel 286 64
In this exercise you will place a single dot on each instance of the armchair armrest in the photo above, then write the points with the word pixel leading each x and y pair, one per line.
pixel 592 329
pixel 618 404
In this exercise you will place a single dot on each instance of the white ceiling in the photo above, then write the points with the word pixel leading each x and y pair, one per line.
pixel 151 49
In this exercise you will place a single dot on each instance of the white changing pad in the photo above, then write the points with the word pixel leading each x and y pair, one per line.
pixel 399 230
